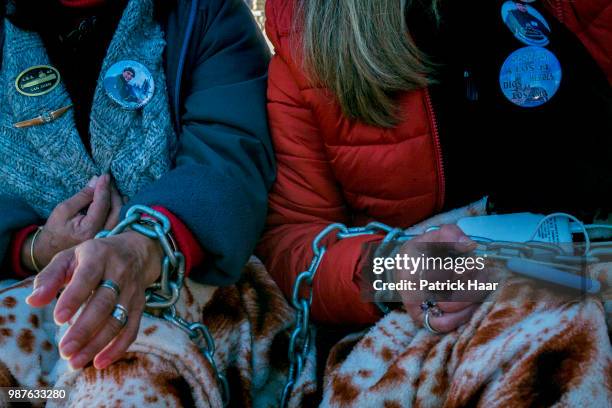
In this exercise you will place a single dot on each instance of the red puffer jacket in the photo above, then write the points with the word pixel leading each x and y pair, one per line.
pixel 333 170
pixel 591 21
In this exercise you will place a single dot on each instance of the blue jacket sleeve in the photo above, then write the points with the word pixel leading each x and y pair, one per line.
pixel 224 165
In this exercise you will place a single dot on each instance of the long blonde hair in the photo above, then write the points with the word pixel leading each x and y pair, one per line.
pixel 362 51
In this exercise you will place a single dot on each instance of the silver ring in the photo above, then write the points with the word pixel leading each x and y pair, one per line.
pixel 120 314
pixel 432 306
pixel 109 284
pixel 427 325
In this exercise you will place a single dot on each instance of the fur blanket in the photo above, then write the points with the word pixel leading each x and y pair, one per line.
pixel 162 368
pixel 514 352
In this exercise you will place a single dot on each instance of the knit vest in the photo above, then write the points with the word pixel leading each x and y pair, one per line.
pixel 46 164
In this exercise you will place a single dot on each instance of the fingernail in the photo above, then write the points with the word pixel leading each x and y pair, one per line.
pixel 78 362
pixel 101 364
pixel 69 349
pixel 34 293
pixel 62 316
pixel 92 183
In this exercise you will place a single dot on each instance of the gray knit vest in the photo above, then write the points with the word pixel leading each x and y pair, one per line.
pixel 47 164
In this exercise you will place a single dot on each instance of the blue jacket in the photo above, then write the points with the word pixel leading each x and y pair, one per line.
pixel 216 68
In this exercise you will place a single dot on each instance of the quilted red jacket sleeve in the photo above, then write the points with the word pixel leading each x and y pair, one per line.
pixel 591 21
pixel 306 197
pixel 304 200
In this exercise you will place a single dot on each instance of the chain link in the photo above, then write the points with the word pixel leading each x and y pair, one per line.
pixel 200 335
pixel 301 299
pixel 163 295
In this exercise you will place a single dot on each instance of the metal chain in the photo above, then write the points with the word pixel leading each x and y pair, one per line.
pixel 200 335
pixel 302 295
pixel 300 339
pixel 164 294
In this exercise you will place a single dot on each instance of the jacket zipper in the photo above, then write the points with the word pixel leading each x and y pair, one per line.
pixel 439 164
pixel 181 63
pixel 558 10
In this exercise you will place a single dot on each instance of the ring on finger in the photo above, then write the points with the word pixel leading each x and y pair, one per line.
pixel 431 306
pixel 109 284
pixel 120 314
pixel 427 324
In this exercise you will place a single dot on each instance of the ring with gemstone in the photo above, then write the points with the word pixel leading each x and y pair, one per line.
pixel 431 306
pixel 120 314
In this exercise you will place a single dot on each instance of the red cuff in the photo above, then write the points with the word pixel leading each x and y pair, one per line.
pixel 82 3
pixel 19 238
pixel 185 240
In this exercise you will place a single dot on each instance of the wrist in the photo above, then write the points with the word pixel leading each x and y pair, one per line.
pixel 26 259
pixel 32 253
pixel 150 253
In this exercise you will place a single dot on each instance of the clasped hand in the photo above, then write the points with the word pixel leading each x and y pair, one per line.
pixel 78 263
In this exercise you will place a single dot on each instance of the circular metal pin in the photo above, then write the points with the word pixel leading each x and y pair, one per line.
pixel 526 23
pixel 530 77
pixel 129 83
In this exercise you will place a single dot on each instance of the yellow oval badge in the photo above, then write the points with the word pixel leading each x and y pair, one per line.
pixel 37 80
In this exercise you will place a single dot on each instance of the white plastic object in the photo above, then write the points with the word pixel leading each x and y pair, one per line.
pixel 518 227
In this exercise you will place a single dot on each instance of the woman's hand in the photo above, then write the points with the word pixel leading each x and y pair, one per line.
pixel 68 225
pixel 132 261
pixel 454 313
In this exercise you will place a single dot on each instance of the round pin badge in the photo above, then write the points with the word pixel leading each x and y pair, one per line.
pixel 37 80
pixel 530 76
pixel 129 83
pixel 526 23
